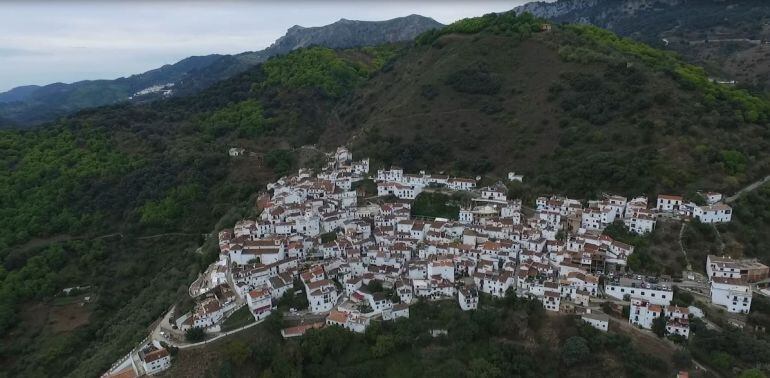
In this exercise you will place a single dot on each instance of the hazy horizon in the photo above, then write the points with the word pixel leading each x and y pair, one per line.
pixel 49 42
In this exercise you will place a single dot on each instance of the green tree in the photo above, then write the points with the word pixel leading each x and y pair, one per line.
pixel 237 351
pixel 575 351
pixel 384 345
pixel 481 368
pixel 681 359
pixel 752 373
pixel 280 161
pixel 659 326
pixel 195 334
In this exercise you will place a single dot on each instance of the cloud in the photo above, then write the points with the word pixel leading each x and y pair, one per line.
pixel 69 41
pixel 8 52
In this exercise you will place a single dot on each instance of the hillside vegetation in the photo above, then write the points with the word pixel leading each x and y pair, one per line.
pixel 132 172
pixel 724 36
pixel 574 109
pixel 503 338
pixel 577 110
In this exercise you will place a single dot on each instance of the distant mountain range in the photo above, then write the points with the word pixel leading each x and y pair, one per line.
pixel 29 105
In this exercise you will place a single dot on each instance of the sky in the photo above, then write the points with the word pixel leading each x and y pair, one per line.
pixel 45 42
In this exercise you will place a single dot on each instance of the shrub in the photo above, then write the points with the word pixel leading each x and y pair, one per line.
pixel 195 334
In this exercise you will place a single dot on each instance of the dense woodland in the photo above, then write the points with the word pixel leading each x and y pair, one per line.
pixel 616 116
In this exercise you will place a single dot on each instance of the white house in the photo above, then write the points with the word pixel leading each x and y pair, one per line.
pixel 321 295
pixel 712 197
pixel 640 222
pixel 668 203
pixel 655 293
pixel 207 313
pixel 154 359
pixel 551 300
pixel 678 321
pixel 512 176
pixel 598 321
pixel 260 303
pixel 716 213
pixel 732 293
pixel 443 268
pixel 643 313
pixel 468 298
pixel 353 322
pixel 352 284
pixel 466 216
pixel 280 284
pixel 493 283
pixel 236 151
pixel 397 189
pixel 749 270
pixel 493 194
pixel 394 174
pixel 457 183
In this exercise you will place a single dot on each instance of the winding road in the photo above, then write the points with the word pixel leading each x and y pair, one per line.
pixel 748 188
pixel 44 242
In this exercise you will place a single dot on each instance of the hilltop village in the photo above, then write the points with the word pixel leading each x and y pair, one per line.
pixel 356 260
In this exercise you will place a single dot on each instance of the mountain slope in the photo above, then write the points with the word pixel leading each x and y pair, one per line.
pixel 32 104
pixel 18 93
pixel 727 37
pixel 78 196
pixel 341 34
pixel 576 109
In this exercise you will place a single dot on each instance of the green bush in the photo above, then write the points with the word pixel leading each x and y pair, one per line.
pixel 195 334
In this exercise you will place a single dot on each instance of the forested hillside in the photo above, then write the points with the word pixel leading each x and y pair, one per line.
pixel 31 105
pixel 577 110
pixel 728 37
pixel 90 200
pixel 107 185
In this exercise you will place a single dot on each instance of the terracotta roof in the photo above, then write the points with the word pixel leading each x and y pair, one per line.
pixel 337 316
pixel 155 355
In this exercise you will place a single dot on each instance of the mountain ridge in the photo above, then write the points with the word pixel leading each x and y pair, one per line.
pixel 727 37
pixel 36 104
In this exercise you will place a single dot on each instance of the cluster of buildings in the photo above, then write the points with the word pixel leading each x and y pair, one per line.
pixel 635 213
pixel 407 186
pixel 211 308
pixel 714 211
pixel 355 261
pixel 313 236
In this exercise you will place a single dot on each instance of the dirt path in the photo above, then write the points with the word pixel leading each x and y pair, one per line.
pixel 681 246
pixel 421 114
pixel 44 242
pixel 165 234
pixel 746 189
